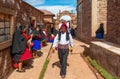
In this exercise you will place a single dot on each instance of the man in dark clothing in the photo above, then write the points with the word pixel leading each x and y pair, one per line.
pixel 62 40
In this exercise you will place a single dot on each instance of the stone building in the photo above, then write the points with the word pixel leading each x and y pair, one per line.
pixel 94 12
pixel 7 24
pixel 113 21
pixel 48 20
pixel 30 13
pixel 91 13
pixel 12 14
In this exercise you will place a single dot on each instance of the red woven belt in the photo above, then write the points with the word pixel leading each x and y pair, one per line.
pixel 63 46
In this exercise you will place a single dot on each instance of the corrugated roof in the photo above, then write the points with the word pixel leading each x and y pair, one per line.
pixel 46 12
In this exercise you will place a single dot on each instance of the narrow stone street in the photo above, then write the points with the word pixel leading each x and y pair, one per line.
pixel 77 68
pixel 31 24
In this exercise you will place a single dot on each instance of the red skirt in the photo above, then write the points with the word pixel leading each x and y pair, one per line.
pixel 26 55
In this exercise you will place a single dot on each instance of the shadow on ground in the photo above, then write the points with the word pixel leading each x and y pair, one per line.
pixel 40 53
pixel 57 63
pixel 28 64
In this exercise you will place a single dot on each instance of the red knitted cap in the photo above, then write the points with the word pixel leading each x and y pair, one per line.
pixel 63 25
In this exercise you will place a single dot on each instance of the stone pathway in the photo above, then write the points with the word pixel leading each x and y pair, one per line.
pixel 77 68
pixel 33 73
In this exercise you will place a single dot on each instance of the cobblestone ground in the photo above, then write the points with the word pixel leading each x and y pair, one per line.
pixel 33 73
pixel 77 68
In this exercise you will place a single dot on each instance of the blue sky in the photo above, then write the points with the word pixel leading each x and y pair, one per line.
pixel 54 5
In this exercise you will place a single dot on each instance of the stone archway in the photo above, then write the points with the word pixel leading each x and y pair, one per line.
pixel 73 21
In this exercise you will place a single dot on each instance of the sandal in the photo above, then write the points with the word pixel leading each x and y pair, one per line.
pixel 21 71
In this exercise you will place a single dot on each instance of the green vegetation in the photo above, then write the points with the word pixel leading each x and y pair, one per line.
pixel 44 69
pixel 101 70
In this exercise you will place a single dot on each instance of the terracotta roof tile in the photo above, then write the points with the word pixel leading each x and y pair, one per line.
pixel 46 12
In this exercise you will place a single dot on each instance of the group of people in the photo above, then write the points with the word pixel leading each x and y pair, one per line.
pixel 26 45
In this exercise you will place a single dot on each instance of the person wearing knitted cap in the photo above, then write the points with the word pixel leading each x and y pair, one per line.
pixel 62 40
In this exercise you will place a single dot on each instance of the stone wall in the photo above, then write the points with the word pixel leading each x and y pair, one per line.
pixel 102 13
pixel 107 55
pixel 113 21
pixel 21 13
pixel 92 14
pixel 84 20
pixel 5 63
pixel 78 1
pixel 48 18
pixel 7 7
pixel 11 4
pixel 79 17
pixel 48 22
pixel 27 12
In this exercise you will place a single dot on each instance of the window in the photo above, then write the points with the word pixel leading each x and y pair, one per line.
pixel 4 27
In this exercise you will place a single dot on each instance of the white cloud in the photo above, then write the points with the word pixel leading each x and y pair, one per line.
pixel 66 17
pixel 35 2
pixel 55 9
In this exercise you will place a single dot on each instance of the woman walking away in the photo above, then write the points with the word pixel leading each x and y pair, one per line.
pixel 36 41
pixel 62 40
pixel 20 49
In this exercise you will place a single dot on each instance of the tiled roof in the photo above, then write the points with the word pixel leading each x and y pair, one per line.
pixel 32 6
pixel 46 12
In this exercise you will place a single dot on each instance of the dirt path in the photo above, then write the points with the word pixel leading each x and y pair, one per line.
pixel 77 68
pixel 33 73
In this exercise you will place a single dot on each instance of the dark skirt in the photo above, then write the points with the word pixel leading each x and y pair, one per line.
pixel 25 56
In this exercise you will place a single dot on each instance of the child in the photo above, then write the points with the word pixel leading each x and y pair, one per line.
pixel 51 39
pixel 36 41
